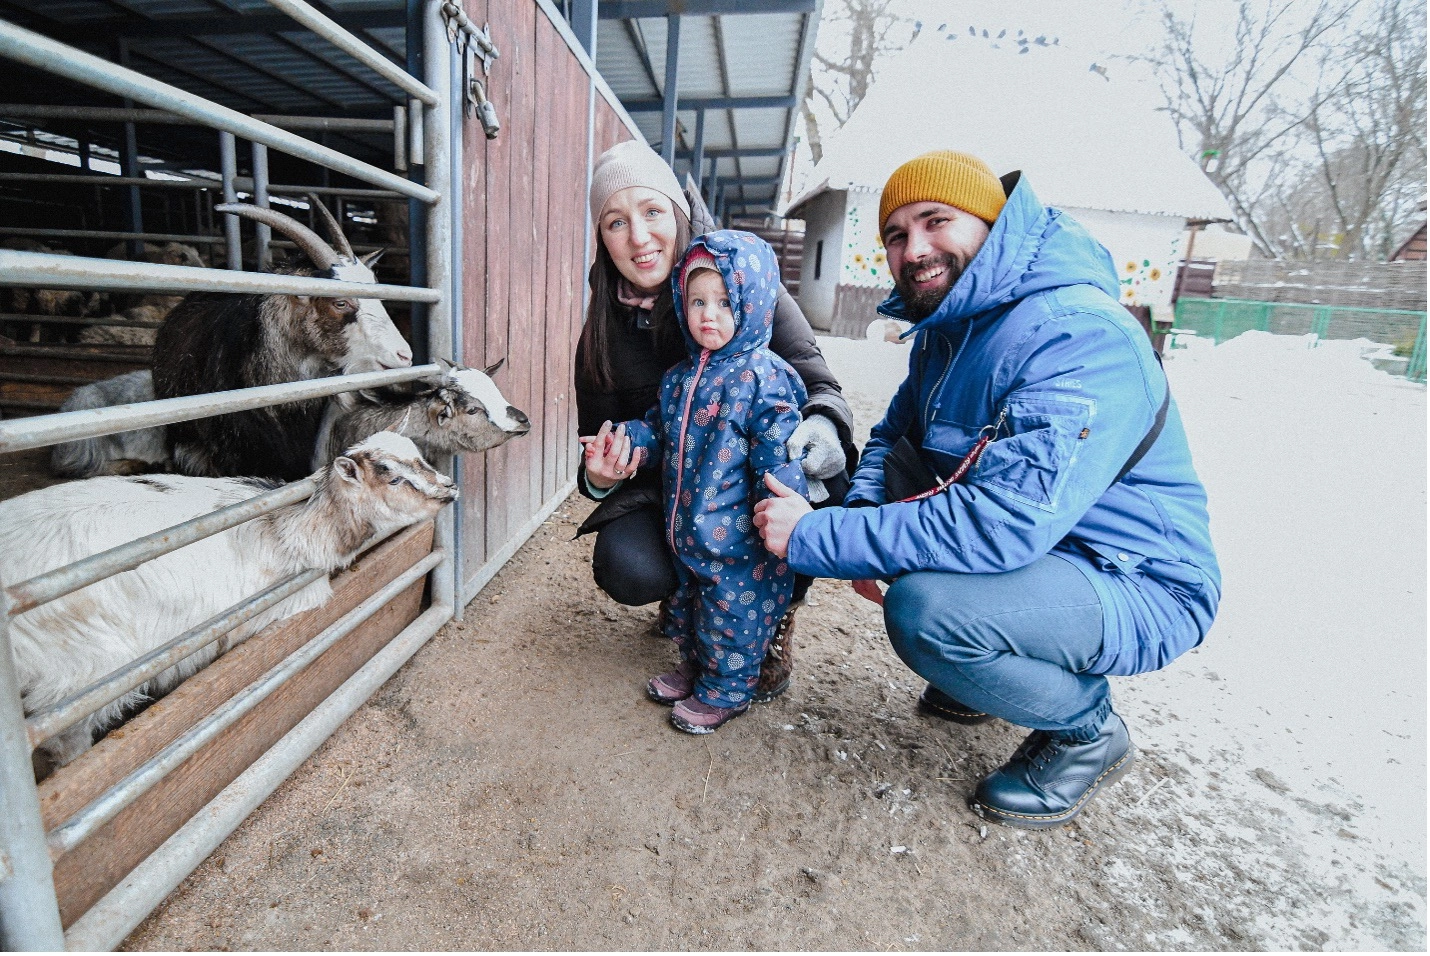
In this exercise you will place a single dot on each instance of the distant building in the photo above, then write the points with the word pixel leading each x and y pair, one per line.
pixel 1413 248
pixel 1089 146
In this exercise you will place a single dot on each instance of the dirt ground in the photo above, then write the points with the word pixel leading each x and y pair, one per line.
pixel 511 788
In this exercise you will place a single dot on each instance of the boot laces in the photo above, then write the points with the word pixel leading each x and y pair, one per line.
pixel 1045 751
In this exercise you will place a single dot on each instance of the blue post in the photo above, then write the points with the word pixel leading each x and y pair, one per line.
pixel 672 88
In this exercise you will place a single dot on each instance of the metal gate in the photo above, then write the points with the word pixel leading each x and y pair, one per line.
pixel 29 914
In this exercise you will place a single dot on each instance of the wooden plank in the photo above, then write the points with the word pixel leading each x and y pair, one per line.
pixel 574 264
pixel 475 174
pixel 527 273
pixel 547 220
pixel 502 154
pixel 91 869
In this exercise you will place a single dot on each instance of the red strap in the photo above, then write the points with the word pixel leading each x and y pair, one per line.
pixel 968 462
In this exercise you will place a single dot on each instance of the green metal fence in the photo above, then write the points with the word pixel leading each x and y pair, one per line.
pixel 1223 319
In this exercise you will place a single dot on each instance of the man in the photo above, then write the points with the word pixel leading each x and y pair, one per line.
pixel 1075 543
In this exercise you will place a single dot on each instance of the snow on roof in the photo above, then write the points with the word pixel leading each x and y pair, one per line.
pixel 1083 140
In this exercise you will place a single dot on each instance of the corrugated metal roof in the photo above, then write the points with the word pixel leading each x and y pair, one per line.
pixel 1083 141
pixel 728 49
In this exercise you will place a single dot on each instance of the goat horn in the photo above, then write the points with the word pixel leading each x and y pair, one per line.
pixel 322 254
pixel 335 231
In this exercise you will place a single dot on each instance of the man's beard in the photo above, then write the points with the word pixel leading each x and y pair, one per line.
pixel 922 303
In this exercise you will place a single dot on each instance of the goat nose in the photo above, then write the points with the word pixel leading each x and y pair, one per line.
pixel 516 415
pixel 404 356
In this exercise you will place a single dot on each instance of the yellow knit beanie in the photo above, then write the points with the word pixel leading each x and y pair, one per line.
pixel 956 179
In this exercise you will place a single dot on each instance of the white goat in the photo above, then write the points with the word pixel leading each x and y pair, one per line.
pixel 61 647
pixel 461 411
pixel 124 453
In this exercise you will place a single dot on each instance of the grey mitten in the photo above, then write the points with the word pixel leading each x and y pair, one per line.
pixel 815 444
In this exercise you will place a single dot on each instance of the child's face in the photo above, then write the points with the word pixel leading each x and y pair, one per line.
pixel 707 310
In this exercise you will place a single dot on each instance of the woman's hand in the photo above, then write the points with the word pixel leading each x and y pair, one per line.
pixel 608 456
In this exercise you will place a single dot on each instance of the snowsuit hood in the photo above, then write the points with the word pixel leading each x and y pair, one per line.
pixel 1030 248
pixel 752 279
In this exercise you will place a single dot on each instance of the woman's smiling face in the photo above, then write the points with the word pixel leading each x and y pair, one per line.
pixel 638 228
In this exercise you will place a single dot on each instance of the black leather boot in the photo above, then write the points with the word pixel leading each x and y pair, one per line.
pixel 1049 780
pixel 936 703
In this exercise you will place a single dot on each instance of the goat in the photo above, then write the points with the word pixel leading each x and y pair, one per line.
pixel 463 411
pixel 17 300
pixel 216 342
pixel 377 486
pixel 125 453
pixel 142 306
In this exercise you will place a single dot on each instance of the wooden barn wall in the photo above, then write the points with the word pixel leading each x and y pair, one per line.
pixel 524 221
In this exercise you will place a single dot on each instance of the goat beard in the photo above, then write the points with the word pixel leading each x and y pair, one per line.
pixel 921 303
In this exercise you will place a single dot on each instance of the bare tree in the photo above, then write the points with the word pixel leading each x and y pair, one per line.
pixel 1369 135
pixel 1237 111
pixel 859 32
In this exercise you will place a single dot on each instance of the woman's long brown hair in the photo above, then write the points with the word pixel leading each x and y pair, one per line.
pixel 604 309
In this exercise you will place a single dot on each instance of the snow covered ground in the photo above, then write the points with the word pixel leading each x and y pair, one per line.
pixel 1294 739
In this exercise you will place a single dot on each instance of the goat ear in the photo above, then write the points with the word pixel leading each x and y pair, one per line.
pixel 345 468
pixel 446 364
pixel 492 369
pixel 371 258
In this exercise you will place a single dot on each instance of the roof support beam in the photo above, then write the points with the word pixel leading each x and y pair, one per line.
pixel 697 160
pixel 709 102
pixel 748 152
pixel 625 9
pixel 583 24
pixel 671 91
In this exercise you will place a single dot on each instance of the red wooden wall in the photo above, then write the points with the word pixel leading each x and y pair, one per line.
pixel 524 269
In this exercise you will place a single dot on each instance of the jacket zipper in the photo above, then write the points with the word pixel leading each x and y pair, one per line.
pixel 680 447
pixel 953 360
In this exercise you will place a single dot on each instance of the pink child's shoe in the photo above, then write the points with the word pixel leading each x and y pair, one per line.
pixel 672 687
pixel 695 717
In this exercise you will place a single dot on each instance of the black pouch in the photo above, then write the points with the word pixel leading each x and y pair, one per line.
pixel 906 473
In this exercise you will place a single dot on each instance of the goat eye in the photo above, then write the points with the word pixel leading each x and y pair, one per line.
pixel 396 481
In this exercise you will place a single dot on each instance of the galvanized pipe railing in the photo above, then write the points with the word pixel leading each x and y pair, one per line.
pixel 198 185
pixel 51 56
pixel 20 434
pixel 49 271
pixel 338 35
pixel 53 585
pixel 104 808
pixel 119 114
pixel 44 724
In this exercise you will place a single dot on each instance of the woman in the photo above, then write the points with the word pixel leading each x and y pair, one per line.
pixel 644 222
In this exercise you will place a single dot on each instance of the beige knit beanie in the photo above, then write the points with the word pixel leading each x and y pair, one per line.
pixel 633 163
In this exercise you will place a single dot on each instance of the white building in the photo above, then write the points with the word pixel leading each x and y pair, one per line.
pixel 1090 146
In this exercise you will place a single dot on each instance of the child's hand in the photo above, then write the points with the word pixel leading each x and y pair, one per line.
pixel 608 456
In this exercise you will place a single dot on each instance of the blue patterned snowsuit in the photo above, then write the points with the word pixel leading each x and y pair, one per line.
pixel 731 411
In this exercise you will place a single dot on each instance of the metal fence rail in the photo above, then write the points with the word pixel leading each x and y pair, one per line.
pixel 1223 319
pixel 29 917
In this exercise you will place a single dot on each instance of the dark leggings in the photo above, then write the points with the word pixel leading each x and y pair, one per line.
pixel 633 564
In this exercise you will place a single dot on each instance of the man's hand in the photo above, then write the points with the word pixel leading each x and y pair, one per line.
pixel 777 516
pixel 609 457
pixel 869 590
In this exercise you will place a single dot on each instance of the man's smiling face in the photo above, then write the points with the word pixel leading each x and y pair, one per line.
pixel 929 246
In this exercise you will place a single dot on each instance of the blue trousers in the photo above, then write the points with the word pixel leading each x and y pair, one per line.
pixel 723 623
pixel 1017 645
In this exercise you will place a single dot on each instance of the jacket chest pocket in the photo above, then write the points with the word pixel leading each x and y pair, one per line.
pixel 1034 464
pixel 946 442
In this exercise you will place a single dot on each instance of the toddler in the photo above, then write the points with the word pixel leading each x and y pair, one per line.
pixel 723 418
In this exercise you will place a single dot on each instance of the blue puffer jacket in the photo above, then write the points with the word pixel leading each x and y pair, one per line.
pixel 723 417
pixel 1032 332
